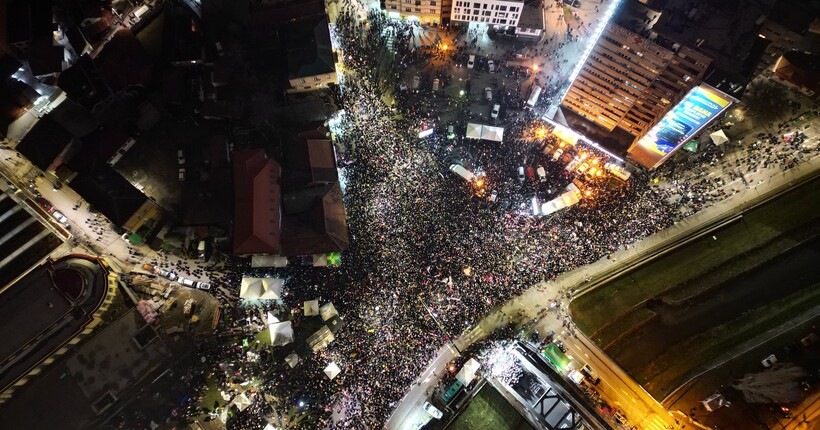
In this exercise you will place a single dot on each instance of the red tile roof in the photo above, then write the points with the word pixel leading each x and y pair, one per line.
pixel 257 203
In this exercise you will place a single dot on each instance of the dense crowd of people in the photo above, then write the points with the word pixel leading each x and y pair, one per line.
pixel 427 258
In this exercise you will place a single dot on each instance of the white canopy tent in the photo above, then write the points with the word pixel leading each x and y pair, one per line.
pixel 281 333
pixel 332 370
pixel 486 132
pixel 467 372
pixel 496 134
pixel 320 339
pixel 292 359
pixel 260 288
pixel 328 311
pixel 311 308
pixel 319 260
pixel 473 131
pixel 719 137
pixel 570 197
pixel 241 402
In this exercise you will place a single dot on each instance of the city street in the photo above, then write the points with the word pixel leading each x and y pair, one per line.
pixel 449 241
pixel 617 385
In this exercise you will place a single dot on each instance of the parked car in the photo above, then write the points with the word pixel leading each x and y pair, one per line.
pixel 181 174
pixel 768 361
pixel 530 173
pixel 542 174
pixel 521 173
pixel 167 274
pixel 62 219
pixel 471 62
pixel 433 411
pixel 591 375
pixel 488 93
pixel 491 66
pixel 180 157
pixel 416 82
pixel 493 196
pixel 809 340
pixel 496 110
pixel 185 281
pixel 202 285
pixel 435 84
pixel 45 204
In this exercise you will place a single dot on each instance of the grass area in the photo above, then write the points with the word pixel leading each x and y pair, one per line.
pixel 489 411
pixel 670 368
pixel 592 311
pixel 743 263
pixel 212 395
pixel 630 321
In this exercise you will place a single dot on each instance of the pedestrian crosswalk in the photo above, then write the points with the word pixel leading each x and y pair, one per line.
pixel 656 423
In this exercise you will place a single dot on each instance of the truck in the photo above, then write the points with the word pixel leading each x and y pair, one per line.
pixel 464 173
pixel 533 99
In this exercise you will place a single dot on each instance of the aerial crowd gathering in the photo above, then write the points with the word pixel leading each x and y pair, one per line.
pixel 422 247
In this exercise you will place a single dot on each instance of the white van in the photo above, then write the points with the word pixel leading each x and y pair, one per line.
pixel 433 411
pixel 536 92
pixel 435 84
pixel 542 174
pixel 471 62
pixel 464 173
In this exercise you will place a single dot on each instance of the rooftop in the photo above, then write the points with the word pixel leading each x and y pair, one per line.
pixel 309 49
pixel 257 206
pixel 531 16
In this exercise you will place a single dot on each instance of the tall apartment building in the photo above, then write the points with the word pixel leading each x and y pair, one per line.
pixel 427 12
pixel 493 12
pixel 630 82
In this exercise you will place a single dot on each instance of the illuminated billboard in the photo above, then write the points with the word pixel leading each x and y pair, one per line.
pixel 697 109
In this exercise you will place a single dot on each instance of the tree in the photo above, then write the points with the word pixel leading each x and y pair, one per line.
pixel 765 100
pixel 778 384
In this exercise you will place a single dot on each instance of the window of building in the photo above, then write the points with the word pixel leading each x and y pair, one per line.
pixel 487 13
pixel 432 3
pixel 502 21
pixel 484 6
pixel 502 8
pixel 418 10
pixel 476 5
pixel 316 79
pixel 433 11
pixel 407 9
pixel 513 8
pixel 302 81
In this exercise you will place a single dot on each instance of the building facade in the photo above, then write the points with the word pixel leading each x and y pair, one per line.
pixel 630 82
pixel 491 12
pixel 428 12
